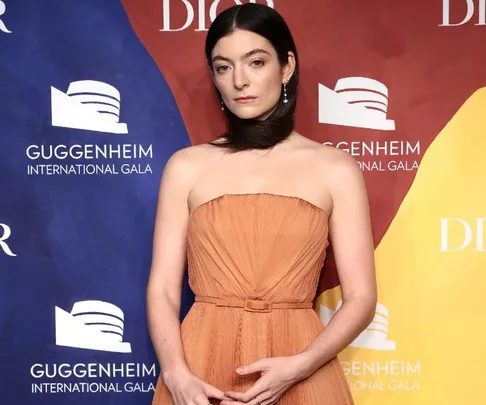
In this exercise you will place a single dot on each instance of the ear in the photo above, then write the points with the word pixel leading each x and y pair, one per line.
pixel 288 69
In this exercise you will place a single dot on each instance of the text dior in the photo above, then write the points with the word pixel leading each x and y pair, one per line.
pixel 470 8
pixel 3 237
pixel 190 12
pixel 3 27
pixel 458 234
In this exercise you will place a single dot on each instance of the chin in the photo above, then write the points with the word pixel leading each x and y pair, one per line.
pixel 247 116
pixel 250 114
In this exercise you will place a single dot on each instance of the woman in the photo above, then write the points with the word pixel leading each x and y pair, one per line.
pixel 252 212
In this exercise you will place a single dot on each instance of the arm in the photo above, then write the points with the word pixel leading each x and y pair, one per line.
pixel 165 282
pixel 168 264
pixel 352 241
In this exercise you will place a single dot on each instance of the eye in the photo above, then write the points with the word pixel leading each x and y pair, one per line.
pixel 258 63
pixel 222 68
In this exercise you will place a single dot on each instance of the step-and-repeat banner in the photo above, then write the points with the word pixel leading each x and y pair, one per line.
pixel 96 95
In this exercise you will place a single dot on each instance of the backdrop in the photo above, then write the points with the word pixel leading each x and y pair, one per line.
pixel 95 97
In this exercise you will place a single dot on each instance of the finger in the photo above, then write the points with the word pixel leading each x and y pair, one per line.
pixel 230 402
pixel 256 390
pixel 205 400
pixel 201 400
pixel 213 392
pixel 266 399
pixel 259 365
pixel 250 402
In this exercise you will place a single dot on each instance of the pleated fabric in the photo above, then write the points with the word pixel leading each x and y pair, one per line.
pixel 265 247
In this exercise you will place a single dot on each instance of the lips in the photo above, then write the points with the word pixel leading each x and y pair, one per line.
pixel 246 98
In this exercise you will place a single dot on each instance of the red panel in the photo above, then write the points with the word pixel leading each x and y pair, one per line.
pixel 430 70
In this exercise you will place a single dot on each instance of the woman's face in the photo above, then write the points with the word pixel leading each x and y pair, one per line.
pixel 248 74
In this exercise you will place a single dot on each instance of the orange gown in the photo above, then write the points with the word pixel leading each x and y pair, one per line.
pixel 254 262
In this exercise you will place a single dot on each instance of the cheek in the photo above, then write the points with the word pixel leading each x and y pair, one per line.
pixel 221 86
pixel 271 88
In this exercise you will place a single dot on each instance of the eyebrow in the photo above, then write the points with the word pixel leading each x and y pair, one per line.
pixel 246 55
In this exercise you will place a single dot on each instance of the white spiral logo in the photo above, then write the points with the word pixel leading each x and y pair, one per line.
pixel 3 8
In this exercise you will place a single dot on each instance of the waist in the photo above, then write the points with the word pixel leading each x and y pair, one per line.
pixel 253 305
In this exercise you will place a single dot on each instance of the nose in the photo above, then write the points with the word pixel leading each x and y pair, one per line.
pixel 240 78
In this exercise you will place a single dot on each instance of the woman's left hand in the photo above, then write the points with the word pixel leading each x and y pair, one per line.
pixel 278 374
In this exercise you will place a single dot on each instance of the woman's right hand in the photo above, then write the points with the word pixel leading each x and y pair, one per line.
pixel 188 389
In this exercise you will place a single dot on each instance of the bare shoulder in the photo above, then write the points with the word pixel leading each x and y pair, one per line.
pixel 338 163
pixel 337 171
pixel 190 154
pixel 181 172
pixel 331 161
pixel 344 181
pixel 185 164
